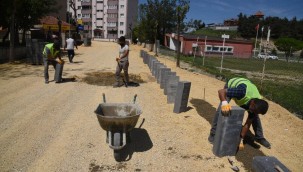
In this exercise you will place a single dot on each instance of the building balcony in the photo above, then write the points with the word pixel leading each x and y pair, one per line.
pixel 112 20
pixel 86 2
pixel 112 28
pixel 86 19
pixel 88 11
pixel 112 11
pixel 112 2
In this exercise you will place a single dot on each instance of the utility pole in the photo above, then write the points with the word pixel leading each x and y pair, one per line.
pixel 266 54
pixel 12 35
pixel 156 28
pixel 196 49
pixel 224 37
pixel 204 54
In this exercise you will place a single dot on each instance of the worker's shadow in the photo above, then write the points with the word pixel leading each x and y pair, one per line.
pixel 251 149
pixel 139 142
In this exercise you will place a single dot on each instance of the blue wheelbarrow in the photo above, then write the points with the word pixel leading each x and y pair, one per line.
pixel 118 119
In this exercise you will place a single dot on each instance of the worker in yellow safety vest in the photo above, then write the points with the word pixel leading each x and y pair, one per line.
pixel 246 95
pixel 50 53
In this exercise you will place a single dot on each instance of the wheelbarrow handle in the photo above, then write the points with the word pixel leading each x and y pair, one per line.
pixel 135 97
pixel 104 99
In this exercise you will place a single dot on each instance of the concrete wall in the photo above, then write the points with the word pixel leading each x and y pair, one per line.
pixel 20 52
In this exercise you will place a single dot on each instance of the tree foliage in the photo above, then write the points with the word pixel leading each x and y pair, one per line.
pixel 196 24
pixel 157 17
pixel 288 45
pixel 280 27
pixel 26 12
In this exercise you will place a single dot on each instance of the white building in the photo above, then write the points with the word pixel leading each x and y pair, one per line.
pixel 107 18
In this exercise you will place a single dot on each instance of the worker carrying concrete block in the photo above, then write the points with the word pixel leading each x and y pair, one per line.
pixel 247 96
pixel 51 52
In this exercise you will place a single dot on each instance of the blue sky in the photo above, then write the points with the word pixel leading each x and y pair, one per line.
pixel 216 11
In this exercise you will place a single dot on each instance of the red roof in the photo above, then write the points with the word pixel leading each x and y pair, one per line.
pixel 50 20
pixel 259 13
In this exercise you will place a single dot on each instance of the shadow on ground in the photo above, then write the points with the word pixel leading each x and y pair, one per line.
pixel 207 111
pixel 139 142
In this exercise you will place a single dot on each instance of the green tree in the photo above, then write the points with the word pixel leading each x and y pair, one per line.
pixel 26 13
pixel 288 45
pixel 181 9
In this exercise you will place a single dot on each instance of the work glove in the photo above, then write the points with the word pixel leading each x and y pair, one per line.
pixel 225 108
pixel 60 61
pixel 117 59
pixel 241 145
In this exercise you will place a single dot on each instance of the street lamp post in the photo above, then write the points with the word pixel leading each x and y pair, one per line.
pixel 59 29
pixel 131 32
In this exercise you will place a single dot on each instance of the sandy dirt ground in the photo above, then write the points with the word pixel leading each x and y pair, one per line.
pixel 53 127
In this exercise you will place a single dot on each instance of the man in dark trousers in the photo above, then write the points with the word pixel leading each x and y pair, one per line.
pixel 50 53
pixel 247 96
pixel 70 43
pixel 122 62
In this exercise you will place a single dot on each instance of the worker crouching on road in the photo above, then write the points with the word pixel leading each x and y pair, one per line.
pixel 122 63
pixel 50 53
pixel 247 96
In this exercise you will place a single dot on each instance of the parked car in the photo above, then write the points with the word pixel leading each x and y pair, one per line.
pixel 269 56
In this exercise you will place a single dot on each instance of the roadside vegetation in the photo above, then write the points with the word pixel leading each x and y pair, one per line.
pixel 283 81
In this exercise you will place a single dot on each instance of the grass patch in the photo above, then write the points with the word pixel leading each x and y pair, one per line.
pixel 282 84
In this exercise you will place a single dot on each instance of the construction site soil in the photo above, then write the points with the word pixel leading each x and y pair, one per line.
pixel 53 127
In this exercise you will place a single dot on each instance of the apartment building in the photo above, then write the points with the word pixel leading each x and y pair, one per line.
pixel 108 19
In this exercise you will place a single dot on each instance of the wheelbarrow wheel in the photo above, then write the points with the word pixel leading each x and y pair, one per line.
pixel 117 155
pixel 117 142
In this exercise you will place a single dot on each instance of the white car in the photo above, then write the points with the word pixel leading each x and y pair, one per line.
pixel 269 56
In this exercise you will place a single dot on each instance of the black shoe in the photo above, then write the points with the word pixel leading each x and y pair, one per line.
pixel 46 82
pixel 211 138
pixel 263 142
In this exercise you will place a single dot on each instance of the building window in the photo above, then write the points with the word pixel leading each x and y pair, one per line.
pixel 122 15
pixel 121 6
pixel 111 15
pixel 79 7
pixel 79 15
pixel 99 10
pixel 86 16
pixel 121 32
pixel 99 27
pixel 219 49
pixel 112 24
pixel 113 7
pixel 99 18
pixel 121 23
pixel 99 2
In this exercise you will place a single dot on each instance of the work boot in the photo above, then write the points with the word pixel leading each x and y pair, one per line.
pixel 117 84
pixel 263 142
pixel 211 138
pixel 46 81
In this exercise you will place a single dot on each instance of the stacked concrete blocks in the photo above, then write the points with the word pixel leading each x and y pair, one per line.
pixel 168 75
pixel 227 137
pixel 172 85
pixel 182 95
pixel 163 77
pixel 177 92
